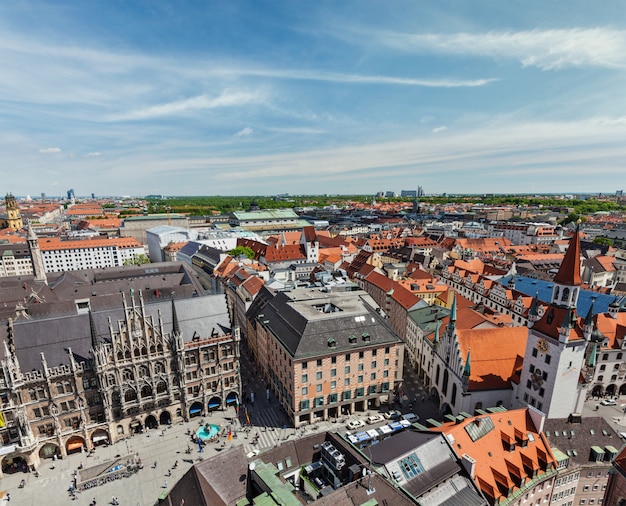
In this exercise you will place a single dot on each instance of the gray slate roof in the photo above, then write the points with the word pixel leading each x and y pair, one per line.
pixel 298 320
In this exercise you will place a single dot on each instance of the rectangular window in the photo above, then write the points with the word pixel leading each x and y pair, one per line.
pixel 333 373
pixel 534 352
pixel 319 362
pixel 305 378
pixel 318 387
pixel 347 369
pixel 333 360
pixel 305 365
pixel 386 373
pixel 304 404
pixel 386 362
pixel 548 359
pixel 347 395
pixel 346 382
pixel 347 357
pixel 333 385
pixel 318 375
pixel 305 390
pixel 360 367
pixel 361 354
pixel 373 364
pixel 360 378
pixel 373 376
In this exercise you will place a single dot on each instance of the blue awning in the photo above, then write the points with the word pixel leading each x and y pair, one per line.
pixel 214 404
pixel 193 411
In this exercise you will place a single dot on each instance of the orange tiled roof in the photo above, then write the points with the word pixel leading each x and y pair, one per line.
pixel 497 468
pixel 494 355
pixel 253 285
pixel 54 243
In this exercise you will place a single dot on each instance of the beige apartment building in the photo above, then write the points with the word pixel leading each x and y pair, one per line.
pixel 324 352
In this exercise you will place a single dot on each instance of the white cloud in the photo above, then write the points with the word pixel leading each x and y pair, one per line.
pixel 50 150
pixel 308 75
pixel 244 132
pixel 93 154
pixel 439 129
pixel 201 102
pixel 546 49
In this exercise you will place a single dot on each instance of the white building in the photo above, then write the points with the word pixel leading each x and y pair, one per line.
pixel 59 255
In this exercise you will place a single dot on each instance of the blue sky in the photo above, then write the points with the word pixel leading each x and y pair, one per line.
pixel 187 97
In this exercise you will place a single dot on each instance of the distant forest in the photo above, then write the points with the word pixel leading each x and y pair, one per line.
pixel 205 206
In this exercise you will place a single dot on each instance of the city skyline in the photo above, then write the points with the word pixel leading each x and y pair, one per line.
pixel 204 98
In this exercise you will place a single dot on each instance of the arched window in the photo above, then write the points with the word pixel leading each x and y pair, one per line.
pixel 453 398
pixel 444 388
pixel 130 395
pixel 128 375
pixel 143 371
pixel 161 387
pixel 111 380
pixel 146 391
pixel 437 376
pixel 565 295
pixel 159 368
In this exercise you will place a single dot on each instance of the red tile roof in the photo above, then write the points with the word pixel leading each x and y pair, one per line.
pixel 569 271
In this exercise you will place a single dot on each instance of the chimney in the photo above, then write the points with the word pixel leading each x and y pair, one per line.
pixel 469 464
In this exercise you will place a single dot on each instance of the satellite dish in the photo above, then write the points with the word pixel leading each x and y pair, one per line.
pixel 364 472
pixel 251 466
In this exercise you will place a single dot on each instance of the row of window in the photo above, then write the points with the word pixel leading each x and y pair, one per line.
pixel 345 396
pixel 348 356
pixel 333 372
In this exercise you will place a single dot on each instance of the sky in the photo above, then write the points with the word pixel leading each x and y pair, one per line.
pixel 203 97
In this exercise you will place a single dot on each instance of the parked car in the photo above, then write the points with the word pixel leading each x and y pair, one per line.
pixel 411 417
pixel 355 424
pixel 608 402
pixel 375 418
pixel 394 414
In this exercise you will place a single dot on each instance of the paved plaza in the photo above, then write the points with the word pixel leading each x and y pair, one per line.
pixel 167 446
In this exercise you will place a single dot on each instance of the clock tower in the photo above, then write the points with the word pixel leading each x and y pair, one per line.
pixel 555 350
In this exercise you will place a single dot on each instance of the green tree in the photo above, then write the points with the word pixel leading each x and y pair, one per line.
pixel 242 251
pixel 603 240
pixel 137 260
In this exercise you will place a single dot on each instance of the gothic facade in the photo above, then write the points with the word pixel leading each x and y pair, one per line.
pixel 70 383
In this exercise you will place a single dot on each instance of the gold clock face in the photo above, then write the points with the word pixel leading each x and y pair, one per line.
pixel 543 345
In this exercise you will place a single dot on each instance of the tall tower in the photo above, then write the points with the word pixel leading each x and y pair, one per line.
pixel 555 350
pixel 35 254
pixel 14 218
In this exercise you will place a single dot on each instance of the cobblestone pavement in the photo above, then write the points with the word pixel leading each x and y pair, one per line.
pixel 166 446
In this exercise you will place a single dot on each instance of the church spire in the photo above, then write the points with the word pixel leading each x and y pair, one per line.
pixel 95 342
pixel 466 371
pixel 175 326
pixel 567 280
pixel 35 254
pixel 452 322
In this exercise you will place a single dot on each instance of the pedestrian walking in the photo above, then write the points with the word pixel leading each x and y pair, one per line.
pixel 165 486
